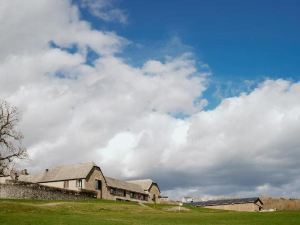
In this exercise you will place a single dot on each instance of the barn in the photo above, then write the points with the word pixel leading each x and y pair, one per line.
pixel 238 204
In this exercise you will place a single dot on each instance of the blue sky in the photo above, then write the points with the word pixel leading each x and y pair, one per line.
pixel 239 40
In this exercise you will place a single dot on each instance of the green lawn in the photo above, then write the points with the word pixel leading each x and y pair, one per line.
pixel 106 212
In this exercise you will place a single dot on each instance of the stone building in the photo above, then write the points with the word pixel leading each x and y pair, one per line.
pixel 122 190
pixel 241 204
pixel 88 176
pixel 149 187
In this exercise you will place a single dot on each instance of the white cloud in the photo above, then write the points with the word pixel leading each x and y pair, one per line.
pixel 247 142
pixel 79 113
pixel 105 10
pixel 30 29
pixel 114 112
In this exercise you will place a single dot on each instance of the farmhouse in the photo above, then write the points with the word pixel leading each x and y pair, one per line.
pixel 88 176
pixel 242 204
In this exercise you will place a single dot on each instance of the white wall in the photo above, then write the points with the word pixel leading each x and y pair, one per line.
pixel 60 184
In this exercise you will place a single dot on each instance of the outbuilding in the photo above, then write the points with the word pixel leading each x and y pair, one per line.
pixel 238 204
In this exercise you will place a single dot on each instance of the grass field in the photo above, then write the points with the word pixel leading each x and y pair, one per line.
pixel 30 212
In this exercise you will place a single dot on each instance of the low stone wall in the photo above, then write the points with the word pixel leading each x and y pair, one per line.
pixel 24 190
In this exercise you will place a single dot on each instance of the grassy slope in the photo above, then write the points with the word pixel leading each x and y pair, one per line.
pixel 21 212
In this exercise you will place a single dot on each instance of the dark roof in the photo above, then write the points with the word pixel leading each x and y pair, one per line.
pixel 227 202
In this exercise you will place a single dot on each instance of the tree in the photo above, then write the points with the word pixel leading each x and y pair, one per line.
pixel 11 147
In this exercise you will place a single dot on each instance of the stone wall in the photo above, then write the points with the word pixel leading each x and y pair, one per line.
pixel 24 190
pixel 94 175
pixel 154 194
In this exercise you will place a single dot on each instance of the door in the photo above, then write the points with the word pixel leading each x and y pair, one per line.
pixel 98 187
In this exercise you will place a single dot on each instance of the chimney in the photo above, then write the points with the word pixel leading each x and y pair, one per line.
pixel 16 176
pixel 24 172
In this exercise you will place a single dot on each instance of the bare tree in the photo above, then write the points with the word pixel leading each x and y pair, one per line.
pixel 11 147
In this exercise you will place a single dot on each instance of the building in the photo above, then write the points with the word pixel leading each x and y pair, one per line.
pixel 122 190
pixel 241 204
pixel 149 187
pixel 88 176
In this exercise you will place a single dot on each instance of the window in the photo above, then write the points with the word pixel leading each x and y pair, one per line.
pixel 66 184
pixel 132 195
pixel 79 183
pixel 112 191
pixel 98 184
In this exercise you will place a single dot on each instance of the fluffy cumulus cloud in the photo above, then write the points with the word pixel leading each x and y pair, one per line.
pixel 70 108
pixel 248 143
pixel 114 113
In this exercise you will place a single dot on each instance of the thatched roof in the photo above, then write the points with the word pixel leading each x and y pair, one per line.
pixel 115 183
pixel 67 172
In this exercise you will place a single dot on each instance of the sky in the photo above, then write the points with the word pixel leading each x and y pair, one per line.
pixel 200 96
